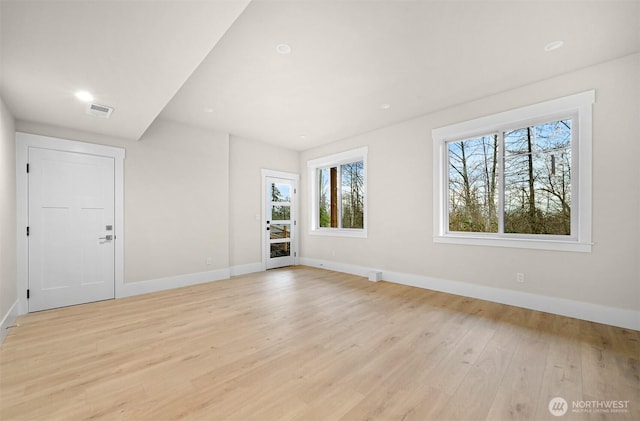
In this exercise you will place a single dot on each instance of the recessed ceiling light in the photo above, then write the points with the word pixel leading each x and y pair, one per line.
pixel 385 106
pixel 554 45
pixel 303 137
pixel 283 48
pixel 84 96
pixel 207 109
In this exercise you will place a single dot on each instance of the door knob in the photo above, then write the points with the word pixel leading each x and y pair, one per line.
pixel 108 238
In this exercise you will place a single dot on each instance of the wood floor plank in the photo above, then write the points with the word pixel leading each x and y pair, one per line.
pixel 517 395
pixel 476 392
pixel 563 369
pixel 309 344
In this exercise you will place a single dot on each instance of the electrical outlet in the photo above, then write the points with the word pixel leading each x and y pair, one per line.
pixel 520 277
pixel 209 260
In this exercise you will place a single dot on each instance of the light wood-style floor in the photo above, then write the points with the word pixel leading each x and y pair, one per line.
pixel 307 344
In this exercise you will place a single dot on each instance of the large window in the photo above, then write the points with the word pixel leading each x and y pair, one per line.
pixel 338 199
pixel 517 179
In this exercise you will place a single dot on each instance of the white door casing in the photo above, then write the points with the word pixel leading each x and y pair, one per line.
pixel 280 219
pixel 67 254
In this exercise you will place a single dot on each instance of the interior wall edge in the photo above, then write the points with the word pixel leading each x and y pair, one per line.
pixel 8 221
pixel 7 321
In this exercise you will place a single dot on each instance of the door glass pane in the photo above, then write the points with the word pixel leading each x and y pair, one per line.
pixel 280 250
pixel 280 231
pixel 281 213
pixel 280 192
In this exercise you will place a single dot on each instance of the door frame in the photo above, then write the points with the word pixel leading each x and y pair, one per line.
pixel 295 178
pixel 24 141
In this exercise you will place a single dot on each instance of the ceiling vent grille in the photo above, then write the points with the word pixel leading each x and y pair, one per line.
pixel 98 110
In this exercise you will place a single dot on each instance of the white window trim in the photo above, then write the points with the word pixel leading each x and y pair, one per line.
pixel 337 159
pixel 578 104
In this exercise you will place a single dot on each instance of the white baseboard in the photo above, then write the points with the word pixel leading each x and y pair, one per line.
pixel 625 318
pixel 154 285
pixel 8 320
pixel 338 267
pixel 246 269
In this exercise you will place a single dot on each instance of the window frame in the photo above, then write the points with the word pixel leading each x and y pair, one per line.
pixel 577 107
pixel 335 160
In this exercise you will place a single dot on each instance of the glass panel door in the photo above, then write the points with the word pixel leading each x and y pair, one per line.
pixel 280 225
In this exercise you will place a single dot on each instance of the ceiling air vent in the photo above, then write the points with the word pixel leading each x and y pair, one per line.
pixel 97 110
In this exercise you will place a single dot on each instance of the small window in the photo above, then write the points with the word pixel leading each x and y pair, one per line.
pixel 338 199
pixel 523 181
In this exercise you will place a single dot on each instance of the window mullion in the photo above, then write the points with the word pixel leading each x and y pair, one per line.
pixel 339 195
pixel 446 193
pixel 501 181
pixel 316 192
pixel 574 172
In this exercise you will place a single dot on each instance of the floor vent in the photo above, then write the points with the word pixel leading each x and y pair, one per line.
pixel 98 110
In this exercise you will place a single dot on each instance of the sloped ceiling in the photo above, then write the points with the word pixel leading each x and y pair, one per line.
pixel 132 55
pixel 347 59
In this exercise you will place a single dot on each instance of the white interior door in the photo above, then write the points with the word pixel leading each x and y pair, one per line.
pixel 281 224
pixel 71 233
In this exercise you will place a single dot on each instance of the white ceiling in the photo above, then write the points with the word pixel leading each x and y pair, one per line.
pixel 132 55
pixel 348 58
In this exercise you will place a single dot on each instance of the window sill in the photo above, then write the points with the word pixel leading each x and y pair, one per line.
pixel 339 232
pixel 525 243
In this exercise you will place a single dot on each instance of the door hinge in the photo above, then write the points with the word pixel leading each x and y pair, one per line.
pixel 295 223
pixel 27 231
pixel 295 254
pixel 27 294
pixel 27 168
pixel 295 191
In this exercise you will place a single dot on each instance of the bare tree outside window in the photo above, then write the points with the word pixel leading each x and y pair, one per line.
pixel 536 181
pixel 324 198
pixel 341 196
pixel 473 200
pixel 352 194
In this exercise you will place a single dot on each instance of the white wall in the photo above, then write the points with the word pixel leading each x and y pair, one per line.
pixel 176 198
pixel 400 201
pixel 246 160
pixel 176 202
pixel 8 263
pixel 190 194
